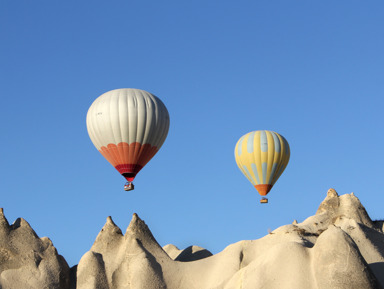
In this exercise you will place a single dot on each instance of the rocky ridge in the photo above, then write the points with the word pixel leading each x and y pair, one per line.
pixel 27 261
pixel 338 247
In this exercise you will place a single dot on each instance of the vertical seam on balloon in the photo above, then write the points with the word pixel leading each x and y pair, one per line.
pixel 118 117
pixel 120 138
pixel 122 106
pixel 284 160
pixel 163 124
pixel 155 123
pixel 250 141
pixel 134 118
pixel 261 156
pixel 248 174
pixel 278 155
pixel 272 154
pixel 143 152
pixel 137 114
pixel 138 95
pixel 280 162
pixel 254 169
pixel 240 163
pixel 263 137
pixel 286 155
pixel 112 131
pixel 269 152
pixel 273 173
pixel 137 103
pixel 128 117
pixel 143 140
pixel 254 155
pixel 264 167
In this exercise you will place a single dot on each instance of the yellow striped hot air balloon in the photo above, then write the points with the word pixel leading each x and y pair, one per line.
pixel 262 156
pixel 128 126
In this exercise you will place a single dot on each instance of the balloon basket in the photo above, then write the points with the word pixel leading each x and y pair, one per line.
pixel 129 187
pixel 264 201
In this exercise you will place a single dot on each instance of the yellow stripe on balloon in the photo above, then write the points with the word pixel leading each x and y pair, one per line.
pixel 257 157
pixel 271 153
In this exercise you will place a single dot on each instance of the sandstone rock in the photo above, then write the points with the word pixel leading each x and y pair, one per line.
pixel 337 262
pixel 338 247
pixel 27 261
pixel 191 253
pixel 130 261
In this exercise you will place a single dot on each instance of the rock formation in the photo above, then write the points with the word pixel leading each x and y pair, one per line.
pixel 27 261
pixel 339 247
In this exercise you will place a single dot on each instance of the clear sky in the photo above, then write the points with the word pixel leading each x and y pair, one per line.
pixel 312 71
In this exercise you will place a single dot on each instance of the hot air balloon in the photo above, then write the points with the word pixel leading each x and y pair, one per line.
pixel 128 127
pixel 262 156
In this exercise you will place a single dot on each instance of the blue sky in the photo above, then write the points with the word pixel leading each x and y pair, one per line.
pixel 309 70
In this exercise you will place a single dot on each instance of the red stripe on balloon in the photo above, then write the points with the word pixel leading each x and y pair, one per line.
pixel 128 159
pixel 129 171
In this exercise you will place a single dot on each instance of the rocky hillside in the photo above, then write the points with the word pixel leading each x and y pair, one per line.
pixel 338 247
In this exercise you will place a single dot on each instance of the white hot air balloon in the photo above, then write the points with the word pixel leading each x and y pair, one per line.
pixel 128 127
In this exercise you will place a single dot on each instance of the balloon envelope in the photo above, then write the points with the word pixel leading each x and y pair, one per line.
pixel 128 127
pixel 262 156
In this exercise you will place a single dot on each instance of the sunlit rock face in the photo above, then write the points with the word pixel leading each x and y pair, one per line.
pixel 27 261
pixel 338 247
